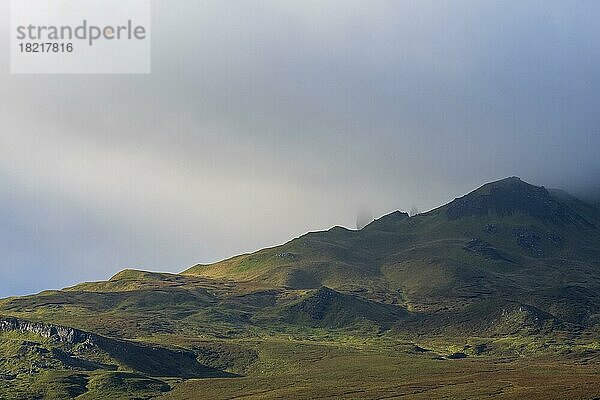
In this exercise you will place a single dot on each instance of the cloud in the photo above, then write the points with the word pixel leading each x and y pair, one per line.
pixel 265 119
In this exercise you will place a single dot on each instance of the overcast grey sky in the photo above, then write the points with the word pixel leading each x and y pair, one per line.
pixel 265 119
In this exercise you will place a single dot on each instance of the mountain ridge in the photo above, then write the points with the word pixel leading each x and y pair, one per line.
pixel 510 270
pixel 529 219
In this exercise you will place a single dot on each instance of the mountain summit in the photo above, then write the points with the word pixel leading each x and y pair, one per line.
pixel 512 195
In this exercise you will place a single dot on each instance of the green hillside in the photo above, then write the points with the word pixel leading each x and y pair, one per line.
pixel 505 240
pixel 502 282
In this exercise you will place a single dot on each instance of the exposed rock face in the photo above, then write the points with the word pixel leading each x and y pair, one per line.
pixel 287 256
pixel 60 333
pixel 528 239
pixel 148 359
pixel 533 239
pixel 491 229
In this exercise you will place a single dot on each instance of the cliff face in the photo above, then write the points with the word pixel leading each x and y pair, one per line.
pixel 59 333
pixel 148 359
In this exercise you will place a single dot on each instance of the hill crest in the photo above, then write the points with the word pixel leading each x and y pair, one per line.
pixel 512 195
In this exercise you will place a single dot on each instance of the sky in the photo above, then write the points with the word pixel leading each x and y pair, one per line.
pixel 265 119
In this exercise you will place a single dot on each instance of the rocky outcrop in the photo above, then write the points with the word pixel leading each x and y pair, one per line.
pixel 59 333
pixel 148 359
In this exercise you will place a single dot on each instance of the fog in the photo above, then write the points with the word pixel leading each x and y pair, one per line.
pixel 263 120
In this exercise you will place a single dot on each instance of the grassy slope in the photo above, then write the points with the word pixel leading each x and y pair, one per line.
pixel 308 371
pixel 36 367
pixel 513 303
pixel 421 262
